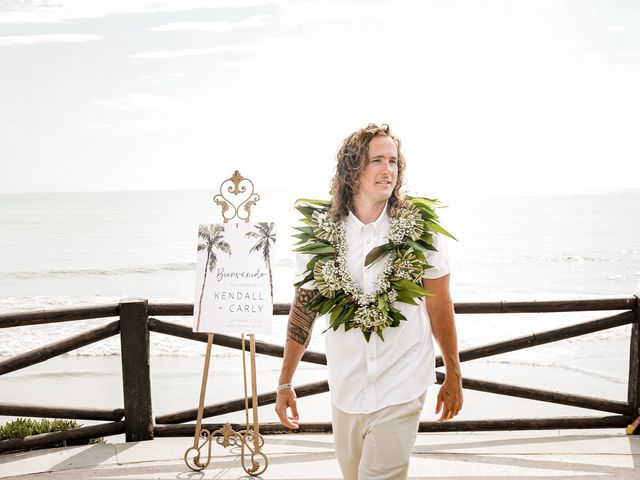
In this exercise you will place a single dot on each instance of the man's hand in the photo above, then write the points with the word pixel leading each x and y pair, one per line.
pixel 287 399
pixel 449 399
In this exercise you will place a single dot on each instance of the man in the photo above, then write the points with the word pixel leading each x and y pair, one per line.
pixel 378 386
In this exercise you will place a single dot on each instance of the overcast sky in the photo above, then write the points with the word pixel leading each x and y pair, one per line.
pixel 488 95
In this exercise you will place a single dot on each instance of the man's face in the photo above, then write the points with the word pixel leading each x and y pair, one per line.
pixel 380 174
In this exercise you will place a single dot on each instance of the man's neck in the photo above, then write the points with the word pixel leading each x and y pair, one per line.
pixel 367 211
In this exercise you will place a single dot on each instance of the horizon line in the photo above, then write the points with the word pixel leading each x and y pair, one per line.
pixel 456 193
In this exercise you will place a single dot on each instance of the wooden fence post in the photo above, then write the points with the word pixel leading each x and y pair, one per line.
pixel 136 381
pixel 633 395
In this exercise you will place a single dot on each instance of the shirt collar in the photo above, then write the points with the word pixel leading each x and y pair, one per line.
pixel 377 225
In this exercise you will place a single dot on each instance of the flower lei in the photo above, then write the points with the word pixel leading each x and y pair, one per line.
pixel 411 229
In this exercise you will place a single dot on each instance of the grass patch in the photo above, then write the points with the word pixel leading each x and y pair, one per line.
pixel 24 427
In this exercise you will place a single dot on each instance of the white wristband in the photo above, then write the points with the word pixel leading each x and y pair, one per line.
pixel 284 386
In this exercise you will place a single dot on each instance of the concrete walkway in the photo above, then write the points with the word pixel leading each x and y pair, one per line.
pixel 566 454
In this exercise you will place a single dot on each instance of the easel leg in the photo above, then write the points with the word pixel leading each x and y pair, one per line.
pixel 254 435
pixel 254 393
pixel 203 389
pixel 197 464
pixel 244 377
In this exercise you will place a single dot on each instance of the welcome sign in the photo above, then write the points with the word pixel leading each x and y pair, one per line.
pixel 234 282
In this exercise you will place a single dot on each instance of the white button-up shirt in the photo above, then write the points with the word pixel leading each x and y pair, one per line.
pixel 367 376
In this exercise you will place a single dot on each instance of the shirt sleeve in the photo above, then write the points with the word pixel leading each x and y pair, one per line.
pixel 439 260
pixel 301 266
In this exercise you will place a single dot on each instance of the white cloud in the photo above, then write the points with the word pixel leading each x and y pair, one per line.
pixel 302 12
pixel 142 102
pixel 218 27
pixel 158 76
pixel 617 28
pixel 189 52
pixel 161 78
pixel 252 62
pixel 45 11
pixel 503 82
pixel 58 37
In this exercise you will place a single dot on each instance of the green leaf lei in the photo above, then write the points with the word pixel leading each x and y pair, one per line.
pixel 411 230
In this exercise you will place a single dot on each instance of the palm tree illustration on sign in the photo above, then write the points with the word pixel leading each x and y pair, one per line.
pixel 265 233
pixel 212 240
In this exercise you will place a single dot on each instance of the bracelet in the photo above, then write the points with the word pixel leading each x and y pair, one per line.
pixel 284 386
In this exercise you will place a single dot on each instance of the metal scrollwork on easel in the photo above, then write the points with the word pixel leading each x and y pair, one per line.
pixel 236 185
pixel 256 468
pixel 193 462
pixel 249 440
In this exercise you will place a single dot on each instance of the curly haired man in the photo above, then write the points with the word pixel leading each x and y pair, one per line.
pixel 377 387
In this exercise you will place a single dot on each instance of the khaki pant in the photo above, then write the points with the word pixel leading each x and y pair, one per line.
pixel 377 445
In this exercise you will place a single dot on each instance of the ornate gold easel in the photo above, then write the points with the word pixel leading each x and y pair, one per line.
pixel 250 438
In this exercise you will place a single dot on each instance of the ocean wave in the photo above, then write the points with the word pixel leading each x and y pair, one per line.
pixel 560 366
pixel 552 258
pixel 285 262
pixel 140 269
pixel 44 302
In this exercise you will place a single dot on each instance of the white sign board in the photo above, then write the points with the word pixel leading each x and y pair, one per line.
pixel 233 278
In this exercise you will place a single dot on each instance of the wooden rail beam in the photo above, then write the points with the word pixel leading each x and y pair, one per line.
pixel 136 379
pixel 263 348
pixel 42 411
pixel 238 404
pixel 58 315
pixel 188 430
pixel 58 348
pixel 614 421
pixel 560 398
pixel 542 338
pixel 186 309
pixel 617 421
pixel 546 306
pixel 171 309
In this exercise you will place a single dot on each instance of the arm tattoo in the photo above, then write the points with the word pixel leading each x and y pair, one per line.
pixel 301 317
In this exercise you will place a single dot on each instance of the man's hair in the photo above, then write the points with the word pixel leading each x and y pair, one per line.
pixel 352 157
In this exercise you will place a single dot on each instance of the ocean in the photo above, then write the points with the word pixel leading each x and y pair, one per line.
pixel 61 250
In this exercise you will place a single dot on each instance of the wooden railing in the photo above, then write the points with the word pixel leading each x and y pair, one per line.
pixel 137 318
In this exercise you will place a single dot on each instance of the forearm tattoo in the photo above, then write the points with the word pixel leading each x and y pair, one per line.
pixel 301 317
